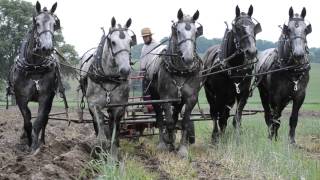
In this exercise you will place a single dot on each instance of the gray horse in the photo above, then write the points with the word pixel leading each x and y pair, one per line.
pixel 278 88
pixel 35 74
pixel 176 75
pixel 104 80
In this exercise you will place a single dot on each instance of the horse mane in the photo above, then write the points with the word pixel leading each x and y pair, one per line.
pixel 283 47
pixel 26 46
pixel 227 46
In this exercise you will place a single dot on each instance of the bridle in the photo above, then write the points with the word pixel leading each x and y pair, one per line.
pixel 199 32
pixel 290 39
pixel 238 39
pixel 37 35
pixel 132 43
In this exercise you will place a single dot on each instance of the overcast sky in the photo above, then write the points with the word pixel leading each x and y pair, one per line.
pixel 81 19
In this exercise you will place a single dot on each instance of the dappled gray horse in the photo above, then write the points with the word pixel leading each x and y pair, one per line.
pixel 175 74
pixel 104 80
pixel 277 89
pixel 35 74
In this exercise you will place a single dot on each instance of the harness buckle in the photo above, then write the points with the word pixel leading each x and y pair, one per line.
pixel 37 84
pixel 237 87
pixel 295 88
pixel 108 97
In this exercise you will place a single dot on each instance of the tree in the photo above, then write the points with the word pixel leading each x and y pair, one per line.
pixel 15 21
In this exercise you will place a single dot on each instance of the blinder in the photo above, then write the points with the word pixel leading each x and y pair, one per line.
pixel 133 39
pixel 199 31
pixel 57 23
pixel 309 29
pixel 257 28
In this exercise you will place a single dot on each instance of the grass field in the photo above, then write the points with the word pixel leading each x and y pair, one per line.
pixel 255 157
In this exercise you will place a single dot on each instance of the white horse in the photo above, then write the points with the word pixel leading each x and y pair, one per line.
pixel 104 80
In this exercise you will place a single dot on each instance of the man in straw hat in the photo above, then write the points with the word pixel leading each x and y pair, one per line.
pixel 149 45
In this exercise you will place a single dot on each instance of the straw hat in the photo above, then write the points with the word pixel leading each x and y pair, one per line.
pixel 146 32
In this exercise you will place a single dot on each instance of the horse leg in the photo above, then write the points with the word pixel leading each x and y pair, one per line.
pixel 241 102
pixel 95 125
pixel 159 117
pixel 266 107
pixel 215 116
pixel 117 115
pixel 276 114
pixel 45 104
pixel 170 126
pixel 297 102
pixel 99 118
pixel 186 131
pixel 223 118
pixel 27 125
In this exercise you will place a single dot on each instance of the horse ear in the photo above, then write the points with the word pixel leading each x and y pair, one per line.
pixel 237 11
pixel 250 11
pixel 54 7
pixel 195 16
pixel 113 22
pixel 180 14
pixel 38 7
pixel 128 23
pixel 303 12
pixel 291 12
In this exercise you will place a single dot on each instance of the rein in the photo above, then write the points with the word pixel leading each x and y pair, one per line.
pixel 228 69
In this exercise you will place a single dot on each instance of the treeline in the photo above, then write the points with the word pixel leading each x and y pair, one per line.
pixel 203 44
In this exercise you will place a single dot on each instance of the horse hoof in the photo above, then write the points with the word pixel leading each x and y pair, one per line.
pixel 162 146
pixel 34 152
pixel 183 152
pixel 102 144
pixel 292 141
pixel 192 139
pixel 114 154
pixel 215 140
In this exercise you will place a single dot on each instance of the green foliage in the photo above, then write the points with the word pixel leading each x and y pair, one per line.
pixel 104 167
pixel 15 21
pixel 203 44
pixel 315 55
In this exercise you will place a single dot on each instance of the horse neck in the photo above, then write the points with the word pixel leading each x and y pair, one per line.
pixel 108 66
pixel 231 49
pixel 283 47
pixel 27 49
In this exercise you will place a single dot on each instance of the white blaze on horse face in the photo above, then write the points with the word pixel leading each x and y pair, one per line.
pixel 45 28
pixel 120 42
pixel 251 48
pixel 186 33
pixel 297 36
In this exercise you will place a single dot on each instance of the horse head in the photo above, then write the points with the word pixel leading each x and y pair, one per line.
pixel 244 31
pixel 44 25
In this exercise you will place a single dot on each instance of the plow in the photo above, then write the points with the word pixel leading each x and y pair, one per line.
pixel 139 114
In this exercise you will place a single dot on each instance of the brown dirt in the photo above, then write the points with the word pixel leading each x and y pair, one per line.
pixel 149 162
pixel 66 152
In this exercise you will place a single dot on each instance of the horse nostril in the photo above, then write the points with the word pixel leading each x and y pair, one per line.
pixel 124 71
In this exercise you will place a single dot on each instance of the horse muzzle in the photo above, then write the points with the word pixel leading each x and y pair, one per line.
pixel 124 72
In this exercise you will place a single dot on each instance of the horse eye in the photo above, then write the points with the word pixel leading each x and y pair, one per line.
pixel 113 43
pixel 37 24
pixel 178 32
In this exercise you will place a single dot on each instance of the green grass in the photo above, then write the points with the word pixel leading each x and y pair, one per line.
pixel 256 157
pixel 105 168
